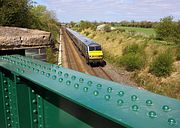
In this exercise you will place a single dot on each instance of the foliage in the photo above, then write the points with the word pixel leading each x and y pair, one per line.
pixel 162 64
pixel 133 48
pixel 168 30
pixel 133 57
pixel 178 53
pixel 24 13
pixel 132 61
pixel 142 24
pixel 107 28
pixel 44 20
pixel 86 25
pixel 15 13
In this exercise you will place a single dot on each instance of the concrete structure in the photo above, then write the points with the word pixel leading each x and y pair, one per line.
pixel 24 41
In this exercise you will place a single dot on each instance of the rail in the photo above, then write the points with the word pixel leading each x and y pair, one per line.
pixel 35 94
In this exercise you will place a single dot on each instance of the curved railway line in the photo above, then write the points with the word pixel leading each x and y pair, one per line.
pixel 74 60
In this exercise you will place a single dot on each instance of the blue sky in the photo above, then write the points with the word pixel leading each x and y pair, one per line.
pixel 112 10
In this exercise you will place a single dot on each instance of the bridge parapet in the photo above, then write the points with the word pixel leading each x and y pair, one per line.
pixel 90 101
pixel 12 38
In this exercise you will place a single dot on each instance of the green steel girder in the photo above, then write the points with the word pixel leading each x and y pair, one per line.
pixel 124 105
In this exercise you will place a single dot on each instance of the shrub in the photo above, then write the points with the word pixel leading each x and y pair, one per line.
pixel 132 61
pixel 134 48
pixel 107 28
pixel 162 64
pixel 178 54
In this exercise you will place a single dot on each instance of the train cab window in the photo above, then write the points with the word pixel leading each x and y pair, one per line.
pixel 94 48
pixel 98 47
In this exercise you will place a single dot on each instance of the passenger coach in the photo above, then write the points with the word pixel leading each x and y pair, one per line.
pixel 90 50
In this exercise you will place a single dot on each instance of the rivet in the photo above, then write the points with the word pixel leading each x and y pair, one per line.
pixel 135 108
pixel 152 114
pixel 149 102
pixel 4 81
pixel 121 93
pixel 35 120
pixel 37 70
pixel 66 75
pixel 89 83
pixel 76 85
pixel 34 111
pixel 9 125
pixel 120 102
pixel 68 82
pixel 81 80
pixel 99 86
pixel 107 97
pixel 73 77
pixel 42 72
pixel 134 97
pixel 172 121
pixel 47 74
pixel 85 89
pixel 166 108
pixel 8 118
pixel 8 111
pixel 54 70
pixel 59 73
pixel 5 89
pixel 60 80
pixel 96 93
pixel 54 77
pixel 7 104
pixel 109 89
pixel 33 101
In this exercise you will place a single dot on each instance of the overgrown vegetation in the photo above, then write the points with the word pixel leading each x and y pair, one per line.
pixel 162 64
pixel 143 57
pixel 133 57
pixel 25 13
pixel 168 30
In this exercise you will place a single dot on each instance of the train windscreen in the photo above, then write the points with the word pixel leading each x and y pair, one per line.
pixel 94 48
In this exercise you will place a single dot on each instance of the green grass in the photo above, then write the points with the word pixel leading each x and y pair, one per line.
pixel 146 31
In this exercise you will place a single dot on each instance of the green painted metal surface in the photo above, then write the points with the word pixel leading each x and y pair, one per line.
pixel 124 105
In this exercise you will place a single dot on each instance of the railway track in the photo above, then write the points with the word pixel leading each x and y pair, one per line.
pixel 74 60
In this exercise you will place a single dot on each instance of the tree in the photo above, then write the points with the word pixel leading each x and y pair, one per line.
pixel 168 30
pixel 15 13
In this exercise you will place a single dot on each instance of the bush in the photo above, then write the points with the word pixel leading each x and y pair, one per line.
pixel 178 54
pixel 107 28
pixel 132 61
pixel 134 48
pixel 162 64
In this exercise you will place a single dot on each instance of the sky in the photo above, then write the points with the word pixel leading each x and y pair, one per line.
pixel 112 10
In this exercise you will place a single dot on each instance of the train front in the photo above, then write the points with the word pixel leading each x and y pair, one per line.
pixel 95 54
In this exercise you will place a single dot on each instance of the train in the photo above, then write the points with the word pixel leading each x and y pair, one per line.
pixel 91 50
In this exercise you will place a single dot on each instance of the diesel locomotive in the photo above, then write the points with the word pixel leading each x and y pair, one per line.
pixel 90 50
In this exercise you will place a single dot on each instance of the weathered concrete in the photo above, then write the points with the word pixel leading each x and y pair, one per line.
pixel 21 38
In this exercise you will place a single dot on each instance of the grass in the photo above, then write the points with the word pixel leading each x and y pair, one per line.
pixel 146 31
pixel 113 44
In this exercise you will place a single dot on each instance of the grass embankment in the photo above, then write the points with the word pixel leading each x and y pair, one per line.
pixel 114 43
pixel 146 31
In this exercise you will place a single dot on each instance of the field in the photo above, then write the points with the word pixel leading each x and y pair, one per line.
pixel 146 31
pixel 113 43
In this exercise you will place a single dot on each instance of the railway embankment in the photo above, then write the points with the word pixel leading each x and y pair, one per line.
pixel 114 44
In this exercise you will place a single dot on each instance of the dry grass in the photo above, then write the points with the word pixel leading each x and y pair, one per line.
pixel 113 44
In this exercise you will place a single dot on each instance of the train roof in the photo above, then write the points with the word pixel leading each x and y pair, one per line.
pixel 84 39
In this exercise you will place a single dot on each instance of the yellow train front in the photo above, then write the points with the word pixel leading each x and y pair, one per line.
pixel 91 50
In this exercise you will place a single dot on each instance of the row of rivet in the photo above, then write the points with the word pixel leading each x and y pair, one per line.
pixel 8 113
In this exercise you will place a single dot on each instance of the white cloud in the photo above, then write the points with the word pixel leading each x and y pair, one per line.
pixel 112 10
